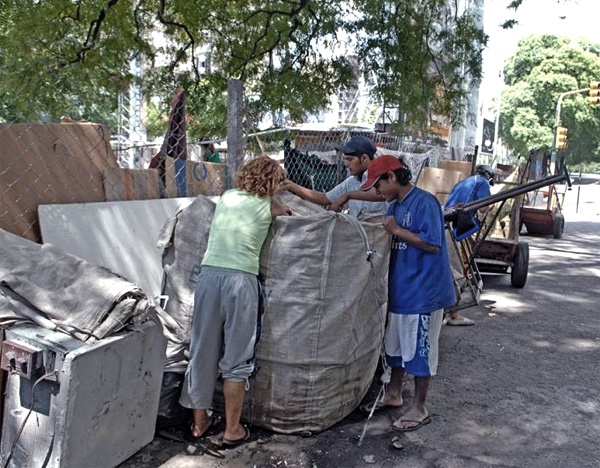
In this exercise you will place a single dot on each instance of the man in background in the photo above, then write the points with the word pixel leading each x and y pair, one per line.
pixel 466 191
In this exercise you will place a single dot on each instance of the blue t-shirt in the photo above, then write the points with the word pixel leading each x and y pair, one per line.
pixel 468 190
pixel 419 282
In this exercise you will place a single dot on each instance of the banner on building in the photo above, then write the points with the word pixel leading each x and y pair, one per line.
pixel 488 137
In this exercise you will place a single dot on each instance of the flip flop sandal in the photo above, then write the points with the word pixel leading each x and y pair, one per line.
pixel 224 444
pixel 418 424
pixel 210 430
pixel 366 408
pixel 210 450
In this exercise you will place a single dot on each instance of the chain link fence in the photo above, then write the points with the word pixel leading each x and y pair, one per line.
pixel 81 162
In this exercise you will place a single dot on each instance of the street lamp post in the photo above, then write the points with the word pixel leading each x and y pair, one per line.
pixel 557 124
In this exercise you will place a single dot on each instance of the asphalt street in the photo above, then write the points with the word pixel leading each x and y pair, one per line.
pixel 521 388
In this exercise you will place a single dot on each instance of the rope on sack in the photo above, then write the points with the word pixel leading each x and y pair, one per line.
pixel 386 376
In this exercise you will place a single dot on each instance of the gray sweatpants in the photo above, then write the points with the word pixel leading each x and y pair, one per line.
pixel 223 334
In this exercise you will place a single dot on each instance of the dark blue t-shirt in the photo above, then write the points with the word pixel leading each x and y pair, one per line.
pixel 419 282
pixel 468 190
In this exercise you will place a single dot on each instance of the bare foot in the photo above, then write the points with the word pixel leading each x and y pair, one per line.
pixel 388 401
pixel 199 429
pixel 459 321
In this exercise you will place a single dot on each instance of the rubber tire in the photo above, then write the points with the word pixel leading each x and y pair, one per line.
pixel 518 272
pixel 558 226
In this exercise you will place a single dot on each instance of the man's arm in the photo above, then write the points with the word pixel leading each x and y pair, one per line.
pixel 369 195
pixel 389 223
pixel 311 195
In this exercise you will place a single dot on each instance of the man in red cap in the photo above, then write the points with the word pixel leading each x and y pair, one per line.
pixel 419 285
pixel 358 152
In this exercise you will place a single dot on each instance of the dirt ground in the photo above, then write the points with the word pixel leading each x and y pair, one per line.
pixel 521 388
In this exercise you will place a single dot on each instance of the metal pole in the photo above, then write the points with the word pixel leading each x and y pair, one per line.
pixel 235 130
pixel 497 125
pixel 578 187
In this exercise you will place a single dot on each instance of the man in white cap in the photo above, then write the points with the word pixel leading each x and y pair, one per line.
pixel 358 152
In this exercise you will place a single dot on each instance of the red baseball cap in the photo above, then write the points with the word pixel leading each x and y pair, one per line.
pixel 379 167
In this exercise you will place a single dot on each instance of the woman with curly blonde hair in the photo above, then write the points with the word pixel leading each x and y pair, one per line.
pixel 262 176
pixel 225 320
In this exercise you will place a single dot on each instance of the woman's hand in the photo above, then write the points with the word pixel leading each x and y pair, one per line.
pixel 279 209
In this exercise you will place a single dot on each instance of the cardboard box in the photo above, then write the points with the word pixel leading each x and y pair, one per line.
pixel 439 181
pixel 190 178
pixel 131 184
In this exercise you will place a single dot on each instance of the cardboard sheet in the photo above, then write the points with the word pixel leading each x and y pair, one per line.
pixel 50 163
pixel 131 184
pixel 439 182
pixel 464 167
pixel 194 178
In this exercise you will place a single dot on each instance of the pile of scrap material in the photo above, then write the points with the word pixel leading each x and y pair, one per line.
pixel 325 282
pixel 68 163
pixel 58 291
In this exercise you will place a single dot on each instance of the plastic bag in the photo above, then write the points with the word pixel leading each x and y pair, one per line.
pixel 170 412
pixel 465 225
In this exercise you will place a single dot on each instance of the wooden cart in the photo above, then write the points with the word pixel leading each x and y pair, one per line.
pixel 541 213
pixel 507 254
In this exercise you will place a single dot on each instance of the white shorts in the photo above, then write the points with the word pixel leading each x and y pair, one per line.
pixel 412 342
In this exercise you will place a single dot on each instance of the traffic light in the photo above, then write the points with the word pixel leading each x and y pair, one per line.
pixel 561 137
pixel 594 93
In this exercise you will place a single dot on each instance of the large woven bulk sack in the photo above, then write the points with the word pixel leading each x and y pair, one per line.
pixel 324 277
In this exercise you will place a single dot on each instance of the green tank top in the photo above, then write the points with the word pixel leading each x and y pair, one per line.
pixel 238 230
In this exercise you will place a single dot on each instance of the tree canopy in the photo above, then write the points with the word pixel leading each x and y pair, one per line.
pixel 542 68
pixel 72 57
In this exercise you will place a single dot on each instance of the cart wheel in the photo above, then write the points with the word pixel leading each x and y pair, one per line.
pixel 518 272
pixel 558 226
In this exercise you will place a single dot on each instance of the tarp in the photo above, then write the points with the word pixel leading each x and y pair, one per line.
pixel 174 145
pixel 183 241
pixel 58 291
